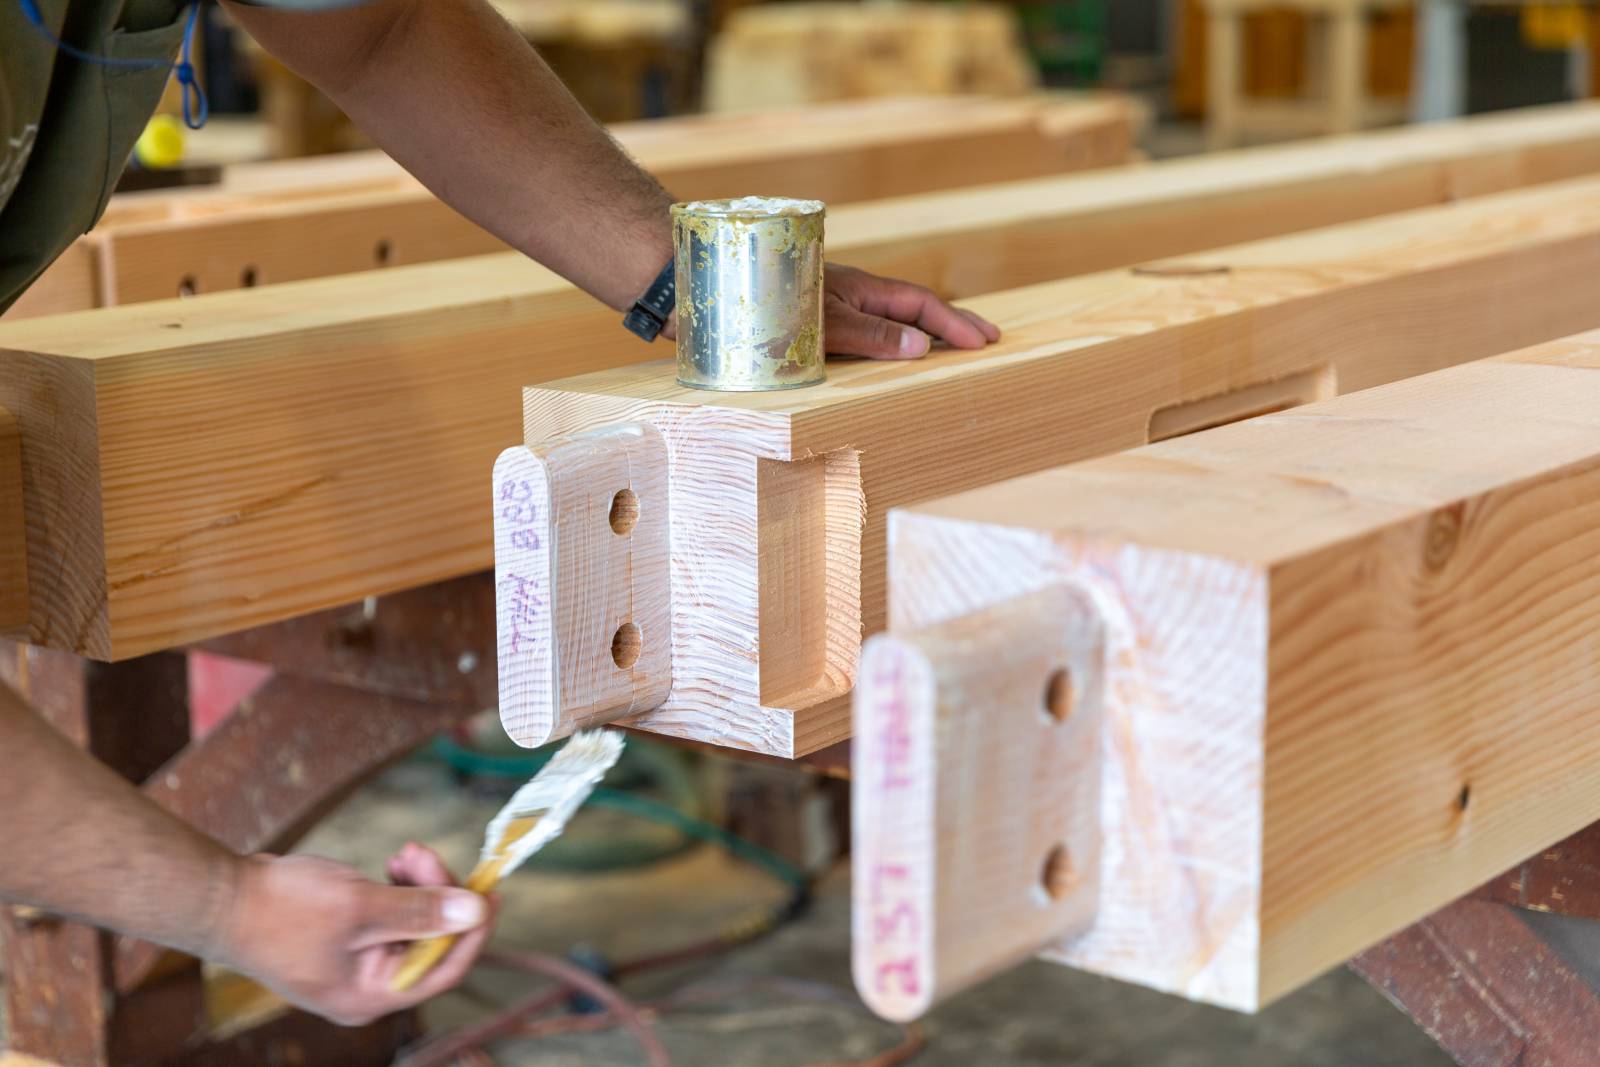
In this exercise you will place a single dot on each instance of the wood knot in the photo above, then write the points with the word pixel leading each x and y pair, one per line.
pixel 1442 536
pixel 1180 270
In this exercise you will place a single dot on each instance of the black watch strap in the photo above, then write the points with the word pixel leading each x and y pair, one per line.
pixel 652 310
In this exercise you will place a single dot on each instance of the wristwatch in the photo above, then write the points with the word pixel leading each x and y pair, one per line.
pixel 651 311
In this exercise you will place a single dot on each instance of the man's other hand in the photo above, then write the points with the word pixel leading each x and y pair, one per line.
pixel 328 940
pixel 865 315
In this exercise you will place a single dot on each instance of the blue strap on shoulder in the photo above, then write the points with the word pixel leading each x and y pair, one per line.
pixel 195 108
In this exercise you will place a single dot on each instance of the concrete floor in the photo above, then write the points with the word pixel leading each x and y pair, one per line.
pixel 1039 1014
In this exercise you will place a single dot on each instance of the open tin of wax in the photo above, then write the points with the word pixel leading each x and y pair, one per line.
pixel 749 281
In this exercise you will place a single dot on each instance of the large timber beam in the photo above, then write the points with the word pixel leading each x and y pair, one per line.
pixel 960 243
pixel 850 149
pixel 777 500
pixel 200 466
pixel 1348 674
pixel 358 215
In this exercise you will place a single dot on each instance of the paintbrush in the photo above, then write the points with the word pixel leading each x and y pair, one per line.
pixel 531 819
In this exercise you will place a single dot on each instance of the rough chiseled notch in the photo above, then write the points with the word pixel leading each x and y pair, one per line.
pixel 976 793
pixel 583 595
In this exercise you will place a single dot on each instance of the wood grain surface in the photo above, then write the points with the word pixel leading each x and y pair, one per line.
pixel 1351 653
pixel 1083 369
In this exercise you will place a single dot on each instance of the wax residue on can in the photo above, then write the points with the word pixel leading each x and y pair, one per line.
pixel 749 292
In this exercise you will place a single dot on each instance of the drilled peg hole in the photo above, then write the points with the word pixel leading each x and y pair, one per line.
pixel 1058 695
pixel 187 286
pixel 248 278
pixel 1057 877
pixel 382 252
pixel 624 512
pixel 626 644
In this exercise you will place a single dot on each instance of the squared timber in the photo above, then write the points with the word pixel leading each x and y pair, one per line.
pixel 1350 659
pixel 1086 366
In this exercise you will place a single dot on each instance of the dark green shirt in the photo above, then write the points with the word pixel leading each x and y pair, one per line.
pixel 67 126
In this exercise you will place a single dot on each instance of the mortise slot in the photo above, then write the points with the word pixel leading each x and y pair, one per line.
pixel 792 535
pixel 1262 398
pixel 808 522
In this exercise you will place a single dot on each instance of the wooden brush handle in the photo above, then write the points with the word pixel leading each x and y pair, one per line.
pixel 422 956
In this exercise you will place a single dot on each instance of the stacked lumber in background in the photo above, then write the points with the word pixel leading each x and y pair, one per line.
pixel 1276 60
pixel 276 222
pixel 778 500
pixel 801 53
pixel 1331 669
pixel 199 466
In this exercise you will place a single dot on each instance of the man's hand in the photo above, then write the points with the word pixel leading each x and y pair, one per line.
pixel 865 315
pixel 328 940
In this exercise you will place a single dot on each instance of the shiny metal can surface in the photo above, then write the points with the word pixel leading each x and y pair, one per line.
pixel 749 293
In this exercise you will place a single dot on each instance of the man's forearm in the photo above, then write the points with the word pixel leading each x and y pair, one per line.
pixel 78 840
pixel 454 94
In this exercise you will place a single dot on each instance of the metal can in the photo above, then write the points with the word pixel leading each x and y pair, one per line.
pixel 749 293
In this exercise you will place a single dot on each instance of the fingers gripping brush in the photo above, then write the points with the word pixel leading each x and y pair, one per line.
pixel 531 819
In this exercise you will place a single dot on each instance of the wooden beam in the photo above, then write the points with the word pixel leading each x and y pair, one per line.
pixel 343 215
pixel 965 242
pixel 378 399
pixel 13 530
pixel 196 467
pixel 960 243
pixel 1088 365
pixel 71 283
pixel 353 216
pixel 1350 659
pixel 1079 130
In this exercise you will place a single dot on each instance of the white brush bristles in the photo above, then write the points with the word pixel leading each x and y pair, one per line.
pixel 557 791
